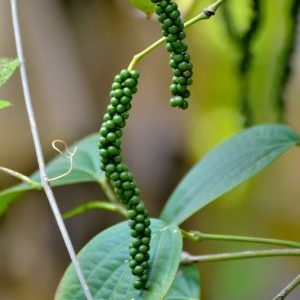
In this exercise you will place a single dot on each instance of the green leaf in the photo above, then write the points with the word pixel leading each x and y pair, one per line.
pixel 85 169
pixel 7 69
pixel 225 167
pixel 104 261
pixel 186 285
pixel 4 104
pixel 145 5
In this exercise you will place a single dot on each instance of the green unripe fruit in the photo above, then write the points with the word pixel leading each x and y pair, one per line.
pixel 147 231
pixel 133 252
pixel 106 117
pixel 134 233
pixel 140 208
pixel 117 159
pixel 117 184
pixel 127 185
pixel 110 168
pixel 136 243
pixel 144 278
pixel 125 100
pixel 120 108
pixel 121 167
pixel 184 104
pixel 127 195
pixel 140 218
pixel 138 270
pixel 124 74
pixel 135 75
pixel 139 257
pixel 117 93
pixel 143 249
pixel 124 176
pixel 174 15
pixel 130 83
pixel 131 214
pixel 118 78
pixel 134 200
pixel 145 240
pixel 118 120
pixel 112 150
pixel 138 284
pixel 111 109
pixel 116 85
pixel 176 101
pixel 114 101
pixel 132 263
pixel 103 153
pixel 111 137
pixel 114 176
pixel 110 125
pixel 139 227
pixel 127 92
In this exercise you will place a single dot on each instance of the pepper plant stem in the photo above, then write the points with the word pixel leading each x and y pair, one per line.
pixel 200 236
pixel 39 153
pixel 206 14
pixel 288 289
pixel 190 259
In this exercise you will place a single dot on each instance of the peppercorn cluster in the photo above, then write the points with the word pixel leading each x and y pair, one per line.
pixel 123 88
pixel 172 28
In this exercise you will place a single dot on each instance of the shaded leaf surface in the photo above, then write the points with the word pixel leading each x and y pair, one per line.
pixel 225 167
pixel 186 285
pixel 104 261
pixel 85 169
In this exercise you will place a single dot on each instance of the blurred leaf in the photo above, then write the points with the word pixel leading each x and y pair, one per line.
pixel 7 69
pixel 79 210
pixel 104 261
pixel 85 169
pixel 186 285
pixel 4 104
pixel 225 167
pixel 144 5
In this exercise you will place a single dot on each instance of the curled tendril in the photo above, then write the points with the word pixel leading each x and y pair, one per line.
pixel 65 153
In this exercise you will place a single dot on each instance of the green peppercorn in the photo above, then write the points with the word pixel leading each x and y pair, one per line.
pixel 173 29
pixel 122 180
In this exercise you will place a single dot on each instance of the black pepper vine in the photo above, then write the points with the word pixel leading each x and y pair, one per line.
pixel 172 28
pixel 123 88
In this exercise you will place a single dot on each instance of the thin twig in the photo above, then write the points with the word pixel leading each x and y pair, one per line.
pixel 36 185
pixel 197 236
pixel 288 289
pixel 186 258
pixel 39 153
pixel 206 14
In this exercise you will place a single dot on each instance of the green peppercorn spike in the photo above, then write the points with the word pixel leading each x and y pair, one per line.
pixel 123 87
pixel 172 28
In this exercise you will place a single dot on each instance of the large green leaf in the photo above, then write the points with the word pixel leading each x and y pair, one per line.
pixel 104 261
pixel 228 165
pixel 145 5
pixel 4 104
pixel 7 69
pixel 186 285
pixel 86 168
